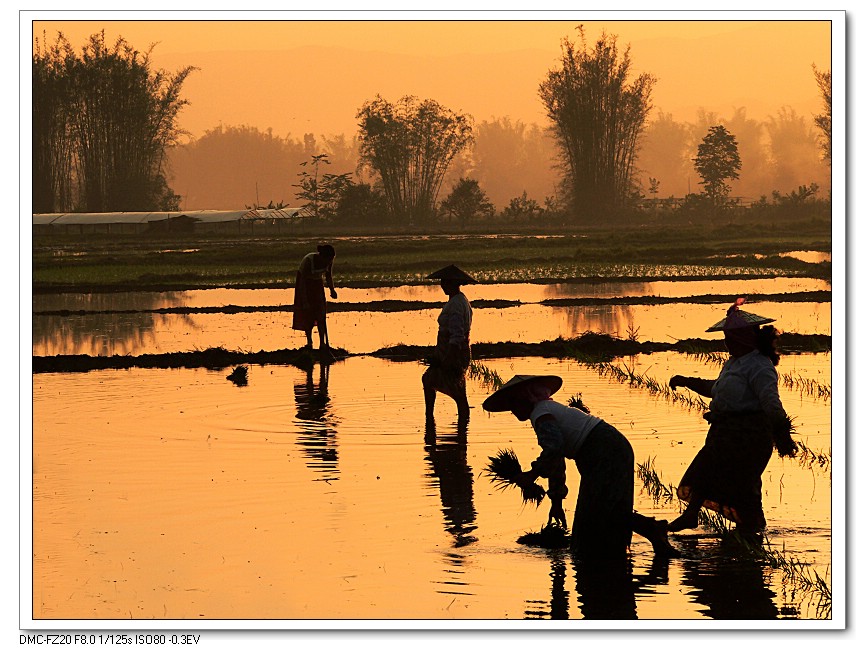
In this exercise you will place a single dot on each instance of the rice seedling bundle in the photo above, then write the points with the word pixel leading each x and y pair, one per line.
pixel 504 469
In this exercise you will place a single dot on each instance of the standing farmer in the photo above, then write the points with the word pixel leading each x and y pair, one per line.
pixel 746 420
pixel 447 370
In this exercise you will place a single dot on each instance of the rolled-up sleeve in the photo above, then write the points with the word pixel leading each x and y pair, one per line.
pixel 551 462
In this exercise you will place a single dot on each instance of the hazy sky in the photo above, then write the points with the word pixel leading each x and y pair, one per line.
pixel 297 76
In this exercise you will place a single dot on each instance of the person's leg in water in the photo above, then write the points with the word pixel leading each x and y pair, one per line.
pixel 655 531
pixel 462 403
pixel 308 338
pixel 429 396
pixel 688 519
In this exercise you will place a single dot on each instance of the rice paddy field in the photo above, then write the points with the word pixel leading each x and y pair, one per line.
pixel 316 495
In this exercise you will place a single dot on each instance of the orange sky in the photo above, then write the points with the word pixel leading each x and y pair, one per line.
pixel 298 76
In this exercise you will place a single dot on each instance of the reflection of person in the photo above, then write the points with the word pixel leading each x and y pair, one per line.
pixel 604 517
pixel 447 371
pixel 449 462
pixel 310 307
pixel 746 419
pixel 316 432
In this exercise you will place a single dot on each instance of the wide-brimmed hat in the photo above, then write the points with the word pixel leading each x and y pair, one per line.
pixel 737 318
pixel 501 399
pixel 452 272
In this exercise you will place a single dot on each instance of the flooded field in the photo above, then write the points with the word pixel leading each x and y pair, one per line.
pixel 321 494
pixel 122 323
pixel 176 495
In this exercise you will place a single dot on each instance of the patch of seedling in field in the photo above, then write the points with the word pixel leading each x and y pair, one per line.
pixel 489 378
pixel 629 375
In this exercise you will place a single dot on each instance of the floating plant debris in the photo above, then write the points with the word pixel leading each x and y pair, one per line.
pixel 239 376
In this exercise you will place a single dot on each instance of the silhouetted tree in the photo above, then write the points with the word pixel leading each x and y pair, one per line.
pixel 597 118
pixel 119 116
pixel 321 191
pixel 53 149
pixel 467 201
pixel 522 206
pixel 361 204
pixel 824 119
pixel 410 144
pixel 717 162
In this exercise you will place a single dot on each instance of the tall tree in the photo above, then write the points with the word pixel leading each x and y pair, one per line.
pixel 111 118
pixel 717 162
pixel 597 118
pixel 53 149
pixel 410 144
pixel 824 119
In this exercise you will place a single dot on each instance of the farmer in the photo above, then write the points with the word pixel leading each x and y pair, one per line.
pixel 452 356
pixel 604 517
pixel 746 419
pixel 309 303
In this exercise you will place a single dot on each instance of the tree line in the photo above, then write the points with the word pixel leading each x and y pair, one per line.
pixel 107 129
pixel 103 121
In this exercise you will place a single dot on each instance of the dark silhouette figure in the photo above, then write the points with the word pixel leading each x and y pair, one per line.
pixel 604 516
pixel 452 356
pixel 746 421
pixel 310 306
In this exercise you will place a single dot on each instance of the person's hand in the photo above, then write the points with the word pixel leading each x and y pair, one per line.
pixel 333 293
pixel 557 513
pixel 676 381
pixel 524 479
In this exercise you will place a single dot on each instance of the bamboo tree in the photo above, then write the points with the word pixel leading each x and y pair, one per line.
pixel 52 143
pixel 597 119
pixel 118 118
pixel 410 145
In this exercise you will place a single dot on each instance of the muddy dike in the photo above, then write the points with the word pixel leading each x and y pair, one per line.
pixel 588 348
pixel 415 305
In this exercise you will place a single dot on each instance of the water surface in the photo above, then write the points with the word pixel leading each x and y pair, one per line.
pixel 174 494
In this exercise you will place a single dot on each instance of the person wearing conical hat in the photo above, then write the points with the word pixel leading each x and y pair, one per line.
pixel 604 516
pixel 447 370
pixel 746 420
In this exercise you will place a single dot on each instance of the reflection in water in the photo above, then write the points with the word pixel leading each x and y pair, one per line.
pixel 730 583
pixel 605 590
pixel 447 456
pixel 616 320
pixel 316 423
pixel 103 334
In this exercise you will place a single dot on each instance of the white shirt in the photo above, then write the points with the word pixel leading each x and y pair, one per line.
pixel 455 320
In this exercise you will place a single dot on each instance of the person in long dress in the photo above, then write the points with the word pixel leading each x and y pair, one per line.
pixel 746 420
pixel 310 305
